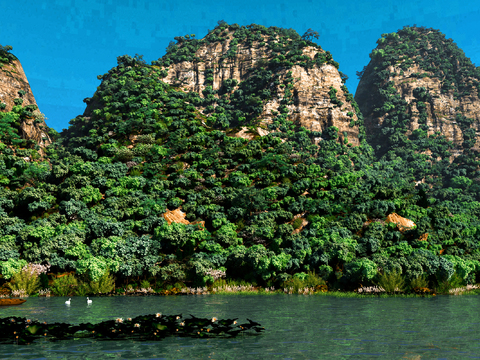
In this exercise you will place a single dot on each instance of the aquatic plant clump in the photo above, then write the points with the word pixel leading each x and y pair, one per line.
pixel 144 327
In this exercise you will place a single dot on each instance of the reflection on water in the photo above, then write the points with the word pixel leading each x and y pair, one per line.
pixel 300 327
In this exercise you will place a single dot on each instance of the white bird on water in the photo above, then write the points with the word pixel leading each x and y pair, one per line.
pixel 89 301
pixel 68 301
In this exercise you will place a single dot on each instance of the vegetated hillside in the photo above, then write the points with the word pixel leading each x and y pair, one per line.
pixel 19 114
pixel 251 79
pixel 263 207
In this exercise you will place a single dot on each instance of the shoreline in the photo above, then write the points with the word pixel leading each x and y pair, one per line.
pixel 338 294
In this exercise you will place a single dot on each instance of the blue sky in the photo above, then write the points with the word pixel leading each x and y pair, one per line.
pixel 64 44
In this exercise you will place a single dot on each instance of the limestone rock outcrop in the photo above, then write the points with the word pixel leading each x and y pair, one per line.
pixel 178 216
pixel 416 58
pixel 13 80
pixel 402 223
pixel 311 107
pixel 441 109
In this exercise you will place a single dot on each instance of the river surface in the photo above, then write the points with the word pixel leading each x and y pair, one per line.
pixel 297 327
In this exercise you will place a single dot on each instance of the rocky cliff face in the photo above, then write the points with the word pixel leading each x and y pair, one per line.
pixel 430 80
pixel 13 80
pixel 309 103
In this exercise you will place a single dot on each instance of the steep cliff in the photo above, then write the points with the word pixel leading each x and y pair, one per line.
pixel 420 85
pixel 231 57
pixel 15 90
pixel 258 79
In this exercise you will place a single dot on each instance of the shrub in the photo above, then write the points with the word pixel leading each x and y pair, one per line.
pixel 313 280
pixel 297 223
pixel 105 284
pixel 419 282
pixel 301 282
pixel 83 289
pixel 124 154
pixel 444 285
pixel 392 282
pixel 65 285
pixel 144 284
pixel 25 280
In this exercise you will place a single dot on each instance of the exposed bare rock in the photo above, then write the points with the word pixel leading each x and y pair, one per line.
pixel 245 133
pixel 423 237
pixel 431 67
pixel 441 109
pixel 312 106
pixel 178 216
pixel 12 80
pixel 402 223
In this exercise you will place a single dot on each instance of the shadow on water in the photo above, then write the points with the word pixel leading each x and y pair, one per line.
pixel 296 327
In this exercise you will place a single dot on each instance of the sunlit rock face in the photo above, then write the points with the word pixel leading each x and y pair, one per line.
pixel 311 105
pixel 13 80
pixel 435 79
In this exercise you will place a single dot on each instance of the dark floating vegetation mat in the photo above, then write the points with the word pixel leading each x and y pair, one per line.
pixel 19 330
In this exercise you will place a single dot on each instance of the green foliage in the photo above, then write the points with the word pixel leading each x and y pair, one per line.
pixel 444 285
pixel 83 289
pixel 392 282
pixel 99 198
pixel 9 128
pixel 303 280
pixel 65 285
pixel 333 97
pixel 297 223
pixel 310 34
pixel 103 285
pixel 420 281
pixel 11 267
pixel 361 271
pixel 25 280
pixel 5 55
pixel 145 284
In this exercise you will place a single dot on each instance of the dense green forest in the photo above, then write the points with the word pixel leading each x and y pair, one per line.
pixel 262 210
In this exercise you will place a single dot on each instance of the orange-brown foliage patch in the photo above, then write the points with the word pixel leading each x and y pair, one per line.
pixel 403 224
pixel 178 216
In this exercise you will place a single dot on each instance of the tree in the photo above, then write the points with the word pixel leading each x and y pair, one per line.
pixel 360 73
pixel 8 132
pixel 171 45
pixel 310 34
pixel 5 51
pixel 6 48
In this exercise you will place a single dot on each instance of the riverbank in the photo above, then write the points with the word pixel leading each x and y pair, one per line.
pixel 251 290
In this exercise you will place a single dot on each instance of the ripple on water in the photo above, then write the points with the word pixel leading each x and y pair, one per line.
pixel 296 327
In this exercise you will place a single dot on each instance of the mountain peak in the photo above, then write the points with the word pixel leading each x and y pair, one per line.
pixel 420 84
pixel 16 98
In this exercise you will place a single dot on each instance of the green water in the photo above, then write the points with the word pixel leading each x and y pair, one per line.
pixel 297 327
